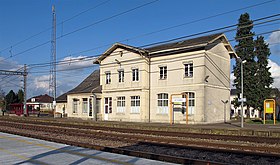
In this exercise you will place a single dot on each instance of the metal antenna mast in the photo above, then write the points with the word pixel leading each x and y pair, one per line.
pixel 52 83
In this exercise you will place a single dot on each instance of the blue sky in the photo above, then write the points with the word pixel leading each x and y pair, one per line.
pixel 21 19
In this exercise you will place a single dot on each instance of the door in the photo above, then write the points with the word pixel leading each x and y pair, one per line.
pixel 107 107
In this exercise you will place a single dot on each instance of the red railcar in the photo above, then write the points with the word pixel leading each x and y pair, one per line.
pixel 17 109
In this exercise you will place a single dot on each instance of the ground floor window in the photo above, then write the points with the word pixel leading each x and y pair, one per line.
pixel 191 103
pixel 108 105
pixel 85 105
pixel 162 103
pixel 135 104
pixel 75 105
pixel 121 104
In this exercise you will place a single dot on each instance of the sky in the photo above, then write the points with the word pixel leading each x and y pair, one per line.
pixel 86 28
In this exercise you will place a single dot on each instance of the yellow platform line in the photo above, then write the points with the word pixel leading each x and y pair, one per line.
pixel 63 150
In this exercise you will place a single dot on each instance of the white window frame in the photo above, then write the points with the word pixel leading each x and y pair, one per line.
pixel 75 106
pixel 121 76
pixel 135 74
pixel 188 70
pixel 135 104
pixel 108 77
pixel 85 105
pixel 121 104
pixel 191 102
pixel 163 72
pixel 162 102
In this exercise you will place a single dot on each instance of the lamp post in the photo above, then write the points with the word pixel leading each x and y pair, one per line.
pixel 225 105
pixel 242 96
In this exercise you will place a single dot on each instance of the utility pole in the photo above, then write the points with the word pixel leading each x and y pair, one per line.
pixel 24 74
pixel 52 85
pixel 24 90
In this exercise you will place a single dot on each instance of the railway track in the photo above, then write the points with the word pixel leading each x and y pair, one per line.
pixel 134 141
pixel 252 139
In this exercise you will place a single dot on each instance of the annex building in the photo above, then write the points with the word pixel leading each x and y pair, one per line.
pixel 137 83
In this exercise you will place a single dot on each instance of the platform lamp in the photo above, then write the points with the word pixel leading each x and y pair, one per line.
pixel 242 95
pixel 225 105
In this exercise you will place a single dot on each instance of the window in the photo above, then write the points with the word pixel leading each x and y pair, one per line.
pixel 108 77
pixel 85 105
pixel 189 70
pixel 108 104
pixel 121 104
pixel 162 103
pixel 75 105
pixel 135 104
pixel 163 72
pixel 121 76
pixel 135 74
pixel 191 103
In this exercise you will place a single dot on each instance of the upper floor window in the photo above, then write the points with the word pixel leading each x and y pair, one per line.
pixel 85 105
pixel 189 70
pixel 163 72
pixel 135 74
pixel 108 77
pixel 162 103
pixel 121 76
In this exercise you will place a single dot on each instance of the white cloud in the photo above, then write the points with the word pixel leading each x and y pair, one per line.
pixel 73 63
pixel 70 72
pixel 275 73
pixel 274 41
pixel 42 82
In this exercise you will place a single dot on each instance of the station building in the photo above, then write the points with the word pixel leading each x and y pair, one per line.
pixel 137 84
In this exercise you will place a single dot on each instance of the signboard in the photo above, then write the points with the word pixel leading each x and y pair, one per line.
pixel 176 105
pixel 178 100
pixel 269 107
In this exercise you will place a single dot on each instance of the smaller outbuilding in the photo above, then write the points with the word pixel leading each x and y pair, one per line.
pixel 84 100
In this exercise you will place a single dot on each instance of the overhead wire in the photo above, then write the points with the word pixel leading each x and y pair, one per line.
pixel 49 28
pixel 85 27
pixel 251 6
pixel 166 41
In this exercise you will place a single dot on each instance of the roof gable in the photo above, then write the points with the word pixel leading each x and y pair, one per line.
pixel 122 46
pixel 41 99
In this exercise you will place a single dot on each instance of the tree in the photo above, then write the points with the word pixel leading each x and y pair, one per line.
pixel 263 76
pixel 10 98
pixel 20 96
pixel 2 100
pixel 245 50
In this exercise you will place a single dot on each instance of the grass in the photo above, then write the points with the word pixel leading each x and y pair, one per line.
pixel 258 121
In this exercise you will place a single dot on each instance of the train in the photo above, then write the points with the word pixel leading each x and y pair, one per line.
pixel 17 109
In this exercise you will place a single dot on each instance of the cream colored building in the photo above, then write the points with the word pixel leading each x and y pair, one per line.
pixel 137 84
pixel 84 100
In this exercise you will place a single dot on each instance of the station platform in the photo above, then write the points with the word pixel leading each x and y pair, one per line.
pixel 16 149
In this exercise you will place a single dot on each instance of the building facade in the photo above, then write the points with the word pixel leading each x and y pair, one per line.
pixel 84 100
pixel 138 84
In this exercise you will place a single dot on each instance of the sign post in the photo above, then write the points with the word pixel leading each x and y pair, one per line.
pixel 269 107
pixel 178 101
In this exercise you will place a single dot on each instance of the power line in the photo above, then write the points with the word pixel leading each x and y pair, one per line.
pixel 87 26
pixel 194 21
pixel 268 32
pixel 49 28
pixel 175 39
